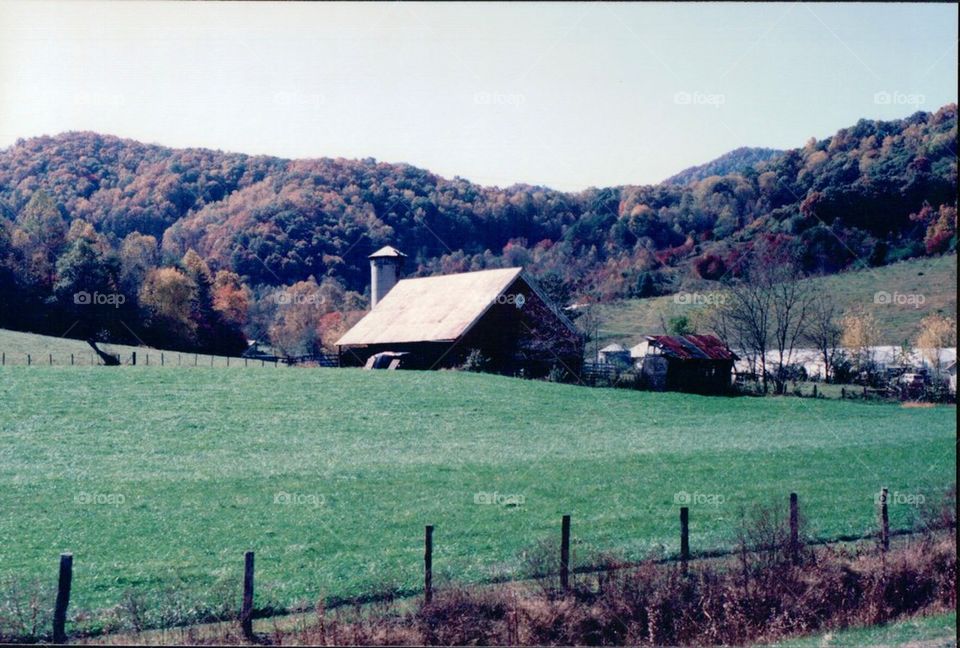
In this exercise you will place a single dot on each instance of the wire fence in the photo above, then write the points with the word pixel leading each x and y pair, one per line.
pixel 158 359
pixel 793 543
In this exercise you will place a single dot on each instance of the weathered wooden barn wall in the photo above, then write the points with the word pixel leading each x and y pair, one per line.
pixel 516 336
pixel 696 376
pixel 692 363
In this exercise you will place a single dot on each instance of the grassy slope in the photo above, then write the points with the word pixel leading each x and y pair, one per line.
pixel 17 345
pixel 200 455
pixel 928 631
pixel 935 278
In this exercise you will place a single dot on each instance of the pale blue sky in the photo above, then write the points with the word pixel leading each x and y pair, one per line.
pixel 566 95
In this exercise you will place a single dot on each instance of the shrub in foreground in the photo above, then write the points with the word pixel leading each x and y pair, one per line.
pixel 719 602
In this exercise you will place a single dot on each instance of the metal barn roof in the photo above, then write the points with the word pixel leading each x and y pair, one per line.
pixel 692 347
pixel 431 309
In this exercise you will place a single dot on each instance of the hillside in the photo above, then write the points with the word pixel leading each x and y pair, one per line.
pixel 45 350
pixel 195 243
pixel 733 162
pixel 935 279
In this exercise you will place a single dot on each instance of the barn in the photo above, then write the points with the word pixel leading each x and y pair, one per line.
pixel 692 363
pixel 436 322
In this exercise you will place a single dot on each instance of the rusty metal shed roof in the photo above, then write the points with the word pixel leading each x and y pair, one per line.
pixel 692 347
pixel 431 309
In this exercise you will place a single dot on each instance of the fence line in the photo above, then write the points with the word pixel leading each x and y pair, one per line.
pixel 595 370
pixel 247 610
pixel 161 359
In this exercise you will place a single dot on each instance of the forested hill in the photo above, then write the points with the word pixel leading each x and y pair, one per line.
pixel 82 208
pixel 733 162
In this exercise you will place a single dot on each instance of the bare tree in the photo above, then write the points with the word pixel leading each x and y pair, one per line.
pixel 717 319
pixel 824 331
pixel 109 360
pixel 589 321
pixel 790 301
pixel 766 311
pixel 744 321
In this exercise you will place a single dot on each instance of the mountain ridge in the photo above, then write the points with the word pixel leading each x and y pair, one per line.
pixel 873 193
pixel 730 162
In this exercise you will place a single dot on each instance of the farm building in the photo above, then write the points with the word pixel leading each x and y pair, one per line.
pixel 385 267
pixel 891 359
pixel 614 354
pixel 693 363
pixel 436 322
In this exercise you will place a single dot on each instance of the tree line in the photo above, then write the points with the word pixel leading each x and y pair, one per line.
pixel 208 247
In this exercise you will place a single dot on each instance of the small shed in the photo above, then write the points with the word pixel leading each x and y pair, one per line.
pixel 614 354
pixel 952 376
pixel 691 363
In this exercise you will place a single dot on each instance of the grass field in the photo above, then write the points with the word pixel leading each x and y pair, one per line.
pixel 16 346
pixel 159 478
pixel 934 278
pixel 934 631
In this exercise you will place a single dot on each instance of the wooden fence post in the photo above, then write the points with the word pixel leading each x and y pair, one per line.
pixel 148 359
pixel 71 359
pixel 228 361
pixel 194 359
pixel 133 358
pixel 244 362
pixel 51 359
pixel 684 538
pixel 428 564
pixel 565 553
pixel 63 598
pixel 794 529
pixel 161 359
pixel 28 359
pixel 884 520
pixel 179 359
pixel 246 612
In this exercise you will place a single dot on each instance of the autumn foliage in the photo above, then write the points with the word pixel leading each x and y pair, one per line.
pixel 871 194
